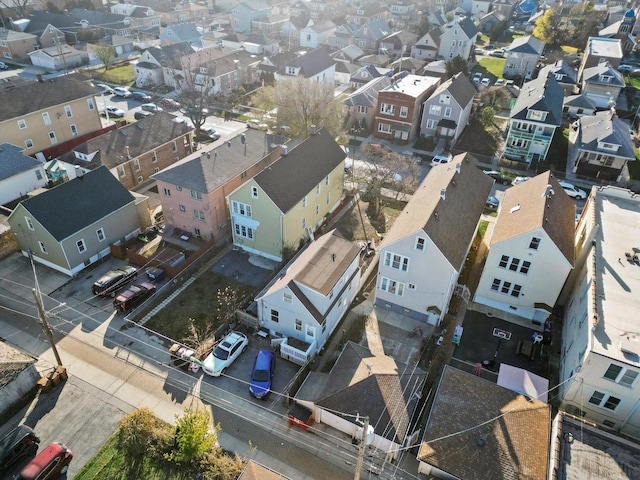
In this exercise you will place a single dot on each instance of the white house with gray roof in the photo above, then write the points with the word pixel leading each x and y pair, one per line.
pixel 317 34
pixel 602 84
pixel 600 146
pixel 446 112
pixel 458 38
pixel 423 253
pixel 181 32
pixel 565 74
pixel 522 57
pixel 600 349
pixel 426 47
pixel 533 120
pixel 531 252
pixel 19 173
pixel 316 65
pixel 361 104
pixel 71 226
pixel 599 50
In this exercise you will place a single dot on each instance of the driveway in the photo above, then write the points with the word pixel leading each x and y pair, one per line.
pixel 245 268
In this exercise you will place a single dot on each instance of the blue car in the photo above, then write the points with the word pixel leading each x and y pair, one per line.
pixel 262 374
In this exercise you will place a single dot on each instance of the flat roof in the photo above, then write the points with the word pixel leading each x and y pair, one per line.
pixel 412 85
pixel 617 280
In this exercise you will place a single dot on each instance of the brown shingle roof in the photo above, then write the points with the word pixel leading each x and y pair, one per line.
pixel 450 223
pixel 525 207
pixel 478 430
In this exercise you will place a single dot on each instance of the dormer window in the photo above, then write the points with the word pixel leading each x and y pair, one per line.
pixel 291 71
pixel 559 76
pixel 536 115
pixel 203 70
pixel 608 146
pixel 605 78
pixel 445 98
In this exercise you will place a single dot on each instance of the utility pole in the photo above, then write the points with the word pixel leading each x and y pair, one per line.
pixel 362 450
pixel 45 325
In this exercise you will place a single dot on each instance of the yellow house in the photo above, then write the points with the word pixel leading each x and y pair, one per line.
pixel 287 202
pixel 39 116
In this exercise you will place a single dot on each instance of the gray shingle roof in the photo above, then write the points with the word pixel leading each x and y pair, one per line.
pixel 543 94
pixel 594 74
pixel 74 205
pixel 13 161
pixel 450 223
pixel 35 96
pixel 606 128
pixel 569 74
pixel 368 94
pixel 294 175
pixel 528 44
pixel 460 88
pixel 169 55
pixel 311 63
pixel 207 174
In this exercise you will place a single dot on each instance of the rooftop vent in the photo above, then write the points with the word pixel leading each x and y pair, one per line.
pixel 515 209
pixel 443 193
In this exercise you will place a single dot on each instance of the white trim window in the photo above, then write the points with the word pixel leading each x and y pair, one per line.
pixel 195 195
pixel 29 223
pixel 67 111
pixel 241 209
pixel 100 234
pixel 74 129
pixel 391 286
pixel 43 249
pixel 621 375
pixel 28 143
pixel 243 231
pixel 46 118
pixel 404 112
pixel 420 244
pixel 90 104
pixel 387 108
pixel 22 124
pixel 81 246
pixel 384 128
pixel 435 110
pixel 604 400
pixel 395 261
pixel 198 214
pixel 254 192
pixel 53 138
pixel 431 124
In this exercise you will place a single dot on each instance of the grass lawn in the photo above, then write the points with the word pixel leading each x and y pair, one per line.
pixel 491 65
pixel 483 39
pixel 568 49
pixel 198 301
pixel 634 167
pixel 633 81
pixel 557 155
pixel 478 139
pixel 122 75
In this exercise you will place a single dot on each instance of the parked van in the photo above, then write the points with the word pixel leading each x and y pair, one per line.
pixel 48 464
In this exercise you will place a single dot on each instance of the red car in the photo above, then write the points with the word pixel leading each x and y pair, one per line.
pixel 48 464
pixel 134 296
pixel 170 103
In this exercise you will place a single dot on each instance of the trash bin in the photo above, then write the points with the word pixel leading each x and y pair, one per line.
pixel 155 274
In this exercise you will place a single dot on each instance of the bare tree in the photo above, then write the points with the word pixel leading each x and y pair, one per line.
pixel 196 90
pixel 104 53
pixel 18 5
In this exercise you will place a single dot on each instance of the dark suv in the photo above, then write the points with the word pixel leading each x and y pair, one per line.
pixel 19 443
pixel 113 280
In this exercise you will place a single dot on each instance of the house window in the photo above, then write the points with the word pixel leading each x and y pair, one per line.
pixel 182 208
pixel 326 180
pixel 136 164
pixel 196 195
pixel 287 297
pixel 324 325
pixel 22 124
pixel 154 157
pixel 384 128
pixel 362 109
pixel 29 223
pixel 46 118
pixel 420 244
pixel 535 243
pixel 391 286
pixel 53 138
pixel 140 179
pixel 504 260
pixel 536 115
pixel 74 130
pixel 435 110
pixel 243 175
pixel 387 108
pixel 404 112
pixel 241 209
pixel 411 286
pixel 515 291
pixel 38 175
pixel 447 112
pixel 291 70
pixel 318 189
pixel 43 249
pixel 254 192
pixel 244 232
pixel 81 246
pixel 505 287
pixel 328 198
pixel 174 147
pixel 515 262
pixel 100 234
pixel 311 332
pixel 304 223
pixel 445 98
pixel 298 325
pixel 395 261
pixel 28 143
pixel 275 316
pixel 198 214
pixel 178 188
pixel 304 201
pixel 601 399
pixel 90 104
pixel 508 288
pixel 431 124
pixel 166 191
pixel 67 111
pixel 525 267
pixel 621 375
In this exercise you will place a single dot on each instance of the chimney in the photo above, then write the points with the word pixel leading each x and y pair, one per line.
pixel 613 113
pixel 39 77
pixel 128 152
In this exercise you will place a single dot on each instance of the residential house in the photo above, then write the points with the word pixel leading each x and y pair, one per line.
pixel 505 7
pixel 408 64
pixel 621 29
pixel 156 62
pixel 317 34
pixel 315 65
pixel 479 8
pixel 181 33
pixel 71 226
pixel 400 107
pixel 531 251
pixel 361 104
pixel 290 31
pixel 284 205
pixel 135 151
pixel 402 12
pixel 349 54
pixel 143 17
pixel 269 25
pixel 19 173
pixel 507 438
pixel 193 192
pixel 57 58
pixel 366 385
pixel 600 146
pixel 379 61
pixel 599 50
pixel 368 36
pixel 602 84
pixel 365 74
pixel 565 75
pixel 578 105
pixel 533 120
pixel 16 45
pixel 458 39
pixel 307 299
pixel 488 22
pixel 396 44
pixel 423 253
pixel 344 71
pixel 43 114
pixel 522 57
pixel 366 12
pixel 446 112
pixel 244 13
pixel 260 43
pixel 322 9
pixel 426 48
pixel 599 354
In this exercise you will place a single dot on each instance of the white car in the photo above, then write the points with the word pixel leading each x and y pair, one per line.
pixel 122 92
pixel 4 66
pixel 114 111
pixel 476 77
pixel 224 353
pixel 625 68
pixel 441 160
pixel 485 81
pixel 519 180
pixel 573 191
